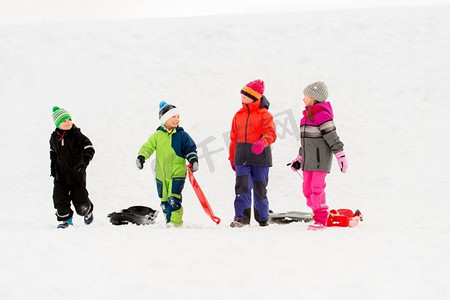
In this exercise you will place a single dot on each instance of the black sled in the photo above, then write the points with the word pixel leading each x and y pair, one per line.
pixel 289 217
pixel 139 215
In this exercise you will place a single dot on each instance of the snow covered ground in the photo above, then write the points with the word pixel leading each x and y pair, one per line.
pixel 387 70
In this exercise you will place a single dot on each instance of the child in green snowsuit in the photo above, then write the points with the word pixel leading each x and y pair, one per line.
pixel 173 146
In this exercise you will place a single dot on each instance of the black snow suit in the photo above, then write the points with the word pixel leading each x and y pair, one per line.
pixel 70 154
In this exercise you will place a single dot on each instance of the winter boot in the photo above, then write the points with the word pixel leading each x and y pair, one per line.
pixel 238 224
pixel 65 224
pixel 173 225
pixel 316 226
pixel 89 217
pixel 320 218
pixel 263 224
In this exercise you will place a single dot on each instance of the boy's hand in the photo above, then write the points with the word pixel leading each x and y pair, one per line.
pixel 194 164
pixel 140 160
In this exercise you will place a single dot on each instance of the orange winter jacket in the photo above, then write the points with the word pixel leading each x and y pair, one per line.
pixel 251 123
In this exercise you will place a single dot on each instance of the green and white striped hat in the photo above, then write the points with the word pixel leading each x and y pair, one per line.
pixel 60 115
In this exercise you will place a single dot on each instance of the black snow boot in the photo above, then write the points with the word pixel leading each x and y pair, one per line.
pixel 89 217
pixel 65 224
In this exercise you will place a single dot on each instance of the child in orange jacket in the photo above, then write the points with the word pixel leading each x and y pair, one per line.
pixel 252 133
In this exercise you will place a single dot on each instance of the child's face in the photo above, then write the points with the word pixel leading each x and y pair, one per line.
pixel 245 99
pixel 308 100
pixel 172 122
pixel 66 125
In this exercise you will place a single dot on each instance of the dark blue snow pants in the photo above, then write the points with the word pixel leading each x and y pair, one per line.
pixel 250 178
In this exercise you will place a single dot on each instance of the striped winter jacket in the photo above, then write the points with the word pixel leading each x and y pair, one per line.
pixel 319 139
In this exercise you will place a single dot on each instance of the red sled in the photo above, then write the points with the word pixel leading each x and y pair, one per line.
pixel 201 197
pixel 344 218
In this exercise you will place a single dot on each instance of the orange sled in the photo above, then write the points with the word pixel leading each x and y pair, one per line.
pixel 201 197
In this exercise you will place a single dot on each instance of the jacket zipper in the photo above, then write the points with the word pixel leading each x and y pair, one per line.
pixel 62 138
pixel 246 122
pixel 318 157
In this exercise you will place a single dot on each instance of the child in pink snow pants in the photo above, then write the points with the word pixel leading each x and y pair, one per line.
pixel 319 141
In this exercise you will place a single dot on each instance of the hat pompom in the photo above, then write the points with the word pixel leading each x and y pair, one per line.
pixel 55 108
pixel 162 104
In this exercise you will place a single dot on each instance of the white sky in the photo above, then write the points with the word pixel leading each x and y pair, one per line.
pixel 22 11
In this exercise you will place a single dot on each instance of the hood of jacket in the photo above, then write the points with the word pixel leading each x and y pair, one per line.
pixel 259 104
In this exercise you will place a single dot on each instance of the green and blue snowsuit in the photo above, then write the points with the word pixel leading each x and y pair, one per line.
pixel 172 149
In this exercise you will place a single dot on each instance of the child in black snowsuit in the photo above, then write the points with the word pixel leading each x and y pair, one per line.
pixel 70 154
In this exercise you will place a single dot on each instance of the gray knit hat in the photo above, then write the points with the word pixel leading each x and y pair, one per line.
pixel 317 90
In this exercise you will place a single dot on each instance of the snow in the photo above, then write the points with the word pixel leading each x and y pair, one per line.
pixel 387 70
pixel 26 11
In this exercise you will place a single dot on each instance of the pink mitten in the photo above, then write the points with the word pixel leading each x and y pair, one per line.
pixel 258 147
pixel 296 164
pixel 342 161
pixel 233 165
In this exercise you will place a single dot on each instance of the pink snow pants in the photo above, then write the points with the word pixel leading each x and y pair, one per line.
pixel 314 191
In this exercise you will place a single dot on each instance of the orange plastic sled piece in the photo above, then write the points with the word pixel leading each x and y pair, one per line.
pixel 201 197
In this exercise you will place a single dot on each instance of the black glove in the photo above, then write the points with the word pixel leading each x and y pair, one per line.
pixel 52 171
pixel 194 164
pixel 140 160
pixel 296 165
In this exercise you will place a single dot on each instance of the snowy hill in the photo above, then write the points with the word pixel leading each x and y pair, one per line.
pixel 387 71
